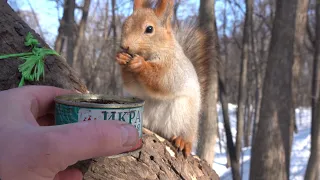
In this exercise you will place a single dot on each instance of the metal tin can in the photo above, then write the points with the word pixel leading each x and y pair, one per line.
pixel 75 108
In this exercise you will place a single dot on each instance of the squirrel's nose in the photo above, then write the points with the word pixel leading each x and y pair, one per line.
pixel 125 48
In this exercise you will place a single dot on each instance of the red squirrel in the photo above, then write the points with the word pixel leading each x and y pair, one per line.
pixel 166 69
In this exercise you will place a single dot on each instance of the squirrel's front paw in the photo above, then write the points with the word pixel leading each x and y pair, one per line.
pixel 123 58
pixel 182 145
pixel 136 64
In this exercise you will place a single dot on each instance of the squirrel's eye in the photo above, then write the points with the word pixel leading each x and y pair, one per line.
pixel 149 29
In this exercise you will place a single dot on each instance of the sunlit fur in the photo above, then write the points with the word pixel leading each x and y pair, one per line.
pixel 173 107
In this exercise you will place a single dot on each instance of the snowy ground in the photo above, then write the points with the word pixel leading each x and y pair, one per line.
pixel 300 150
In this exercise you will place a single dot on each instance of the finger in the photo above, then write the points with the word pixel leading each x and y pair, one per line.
pixel 128 55
pixel 121 61
pixel 38 98
pixel 69 174
pixel 124 56
pixel 80 141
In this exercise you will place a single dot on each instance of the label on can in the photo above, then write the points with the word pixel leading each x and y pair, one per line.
pixel 66 114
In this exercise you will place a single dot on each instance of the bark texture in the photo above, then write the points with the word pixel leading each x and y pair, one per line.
pixel 313 164
pixel 243 81
pixel 271 148
pixel 301 22
pixel 157 160
pixel 208 124
pixel 12 36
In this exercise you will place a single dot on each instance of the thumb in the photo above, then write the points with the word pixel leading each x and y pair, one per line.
pixel 85 140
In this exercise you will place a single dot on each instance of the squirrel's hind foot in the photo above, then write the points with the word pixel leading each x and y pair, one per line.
pixel 182 145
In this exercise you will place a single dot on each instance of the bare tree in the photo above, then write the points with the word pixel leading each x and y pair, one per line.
pixel 243 78
pixel 81 30
pixel 208 125
pixel 301 20
pixel 66 31
pixel 313 164
pixel 271 148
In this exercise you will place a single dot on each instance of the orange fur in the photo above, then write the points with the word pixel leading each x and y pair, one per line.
pixel 168 69
pixel 161 7
pixel 141 4
pixel 150 75
pixel 146 73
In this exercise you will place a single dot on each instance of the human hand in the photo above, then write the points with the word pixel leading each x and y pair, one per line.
pixel 31 149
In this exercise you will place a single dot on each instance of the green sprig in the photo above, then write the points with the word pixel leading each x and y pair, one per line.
pixel 33 67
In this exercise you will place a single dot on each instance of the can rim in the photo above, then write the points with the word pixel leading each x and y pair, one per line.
pixel 71 99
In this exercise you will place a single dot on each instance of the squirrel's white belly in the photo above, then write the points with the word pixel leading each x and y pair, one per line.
pixel 172 117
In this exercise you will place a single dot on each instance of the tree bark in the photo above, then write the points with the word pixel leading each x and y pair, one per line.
pixel 66 31
pixel 301 20
pixel 113 83
pixel 226 122
pixel 248 123
pixel 208 125
pixel 12 34
pixel 157 160
pixel 242 96
pixel 81 31
pixel 271 148
pixel 313 164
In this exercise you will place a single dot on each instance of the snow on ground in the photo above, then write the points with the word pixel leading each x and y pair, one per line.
pixel 299 155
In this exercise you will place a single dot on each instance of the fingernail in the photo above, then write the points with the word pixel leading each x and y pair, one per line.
pixel 129 135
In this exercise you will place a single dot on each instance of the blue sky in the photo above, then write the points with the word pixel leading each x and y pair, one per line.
pixel 48 14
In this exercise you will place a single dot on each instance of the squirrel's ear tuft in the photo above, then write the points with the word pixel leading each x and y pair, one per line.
pixel 164 10
pixel 164 7
pixel 141 4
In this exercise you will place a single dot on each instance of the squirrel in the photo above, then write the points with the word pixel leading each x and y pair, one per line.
pixel 166 68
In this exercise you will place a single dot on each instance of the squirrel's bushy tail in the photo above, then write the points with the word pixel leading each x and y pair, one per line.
pixel 198 48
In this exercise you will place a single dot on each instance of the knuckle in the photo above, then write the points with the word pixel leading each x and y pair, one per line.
pixel 101 134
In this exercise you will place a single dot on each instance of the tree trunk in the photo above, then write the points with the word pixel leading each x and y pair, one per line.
pixel 226 122
pixel 12 34
pixel 81 31
pixel 113 83
pixel 271 148
pixel 248 124
pixel 157 160
pixel 66 31
pixel 301 20
pixel 313 164
pixel 258 93
pixel 242 96
pixel 208 125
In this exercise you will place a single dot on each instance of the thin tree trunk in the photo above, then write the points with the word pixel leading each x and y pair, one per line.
pixel 258 93
pixel 70 29
pixel 81 30
pixel 66 31
pixel 301 20
pixel 243 78
pixel 113 83
pixel 208 125
pixel 219 136
pixel 271 148
pixel 313 164
pixel 248 124
pixel 226 122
